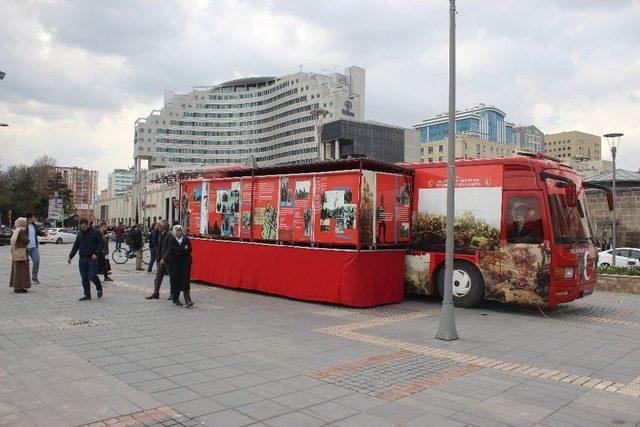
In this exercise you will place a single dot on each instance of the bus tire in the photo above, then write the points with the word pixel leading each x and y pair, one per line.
pixel 468 288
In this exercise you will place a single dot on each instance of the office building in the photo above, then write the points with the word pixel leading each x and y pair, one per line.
pixel 482 121
pixel 374 140
pixel 528 138
pixel 256 120
pixel 84 185
pixel 567 146
pixel 120 181
pixel 467 147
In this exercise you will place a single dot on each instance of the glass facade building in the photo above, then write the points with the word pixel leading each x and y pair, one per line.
pixel 486 122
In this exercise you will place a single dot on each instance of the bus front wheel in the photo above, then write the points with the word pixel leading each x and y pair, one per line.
pixel 468 284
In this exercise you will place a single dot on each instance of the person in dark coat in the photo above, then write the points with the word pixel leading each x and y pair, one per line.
pixel 136 243
pixel 162 268
pixel 153 244
pixel 119 230
pixel 104 265
pixel 20 280
pixel 89 245
pixel 178 256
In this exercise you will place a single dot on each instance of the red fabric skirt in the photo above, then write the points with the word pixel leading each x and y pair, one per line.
pixel 346 277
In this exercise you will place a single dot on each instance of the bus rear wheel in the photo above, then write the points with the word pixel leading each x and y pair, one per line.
pixel 468 284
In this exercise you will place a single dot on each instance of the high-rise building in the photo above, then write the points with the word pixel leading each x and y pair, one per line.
pixel 573 145
pixel 256 120
pixel 467 147
pixel 120 180
pixel 528 138
pixel 483 121
pixel 84 185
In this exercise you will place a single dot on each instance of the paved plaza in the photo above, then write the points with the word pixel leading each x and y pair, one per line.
pixel 241 358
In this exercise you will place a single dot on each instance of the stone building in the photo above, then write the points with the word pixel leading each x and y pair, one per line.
pixel 628 208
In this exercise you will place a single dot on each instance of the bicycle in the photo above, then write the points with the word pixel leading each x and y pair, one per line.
pixel 122 255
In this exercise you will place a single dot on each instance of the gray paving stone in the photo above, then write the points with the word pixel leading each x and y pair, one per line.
pixel 330 411
pixel 212 388
pixel 156 385
pixel 175 395
pixel 199 407
pixel 396 412
pixel 138 376
pixel 263 409
pixel 263 348
pixel 294 419
pixel 237 398
pixel 227 418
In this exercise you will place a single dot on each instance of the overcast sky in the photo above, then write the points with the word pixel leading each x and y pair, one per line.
pixel 79 73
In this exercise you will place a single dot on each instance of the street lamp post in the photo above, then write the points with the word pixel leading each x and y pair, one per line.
pixel 613 139
pixel 447 327
pixel 319 114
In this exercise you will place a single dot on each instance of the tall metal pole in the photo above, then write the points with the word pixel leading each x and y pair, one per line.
pixel 447 327
pixel 614 150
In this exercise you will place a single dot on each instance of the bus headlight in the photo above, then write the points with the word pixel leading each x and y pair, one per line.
pixel 560 273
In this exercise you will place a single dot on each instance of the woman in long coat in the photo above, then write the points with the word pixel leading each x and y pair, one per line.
pixel 178 257
pixel 20 279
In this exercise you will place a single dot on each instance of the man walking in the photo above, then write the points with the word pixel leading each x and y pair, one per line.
pixel 153 244
pixel 136 244
pixel 32 247
pixel 119 235
pixel 89 245
pixel 161 267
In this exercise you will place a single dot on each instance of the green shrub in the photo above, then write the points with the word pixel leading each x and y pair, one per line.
pixel 627 271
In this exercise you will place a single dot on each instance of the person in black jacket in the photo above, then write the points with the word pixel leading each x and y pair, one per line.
pixel 178 256
pixel 153 244
pixel 164 233
pixel 136 244
pixel 89 245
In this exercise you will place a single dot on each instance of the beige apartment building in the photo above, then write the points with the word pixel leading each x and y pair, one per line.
pixel 569 146
pixel 467 146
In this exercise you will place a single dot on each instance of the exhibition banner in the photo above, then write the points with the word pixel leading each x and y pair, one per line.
pixel 393 208
pixel 191 199
pixel 296 208
pixel 265 207
pixel 335 203
pixel 224 207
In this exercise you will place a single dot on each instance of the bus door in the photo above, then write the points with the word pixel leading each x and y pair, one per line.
pixel 525 251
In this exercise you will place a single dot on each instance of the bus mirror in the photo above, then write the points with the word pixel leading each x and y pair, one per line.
pixel 571 194
pixel 610 200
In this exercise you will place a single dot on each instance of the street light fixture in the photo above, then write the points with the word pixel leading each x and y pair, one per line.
pixel 4 125
pixel 613 139
pixel 319 114
pixel 447 327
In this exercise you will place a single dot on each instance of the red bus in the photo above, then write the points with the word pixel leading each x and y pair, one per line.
pixel 522 233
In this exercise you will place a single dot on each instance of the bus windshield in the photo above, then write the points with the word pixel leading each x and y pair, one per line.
pixel 570 223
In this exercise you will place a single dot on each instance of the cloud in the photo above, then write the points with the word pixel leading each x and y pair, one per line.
pixel 80 73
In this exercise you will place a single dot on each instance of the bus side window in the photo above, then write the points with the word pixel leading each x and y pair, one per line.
pixel 524 224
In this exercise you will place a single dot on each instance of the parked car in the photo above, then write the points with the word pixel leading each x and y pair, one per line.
pixel 5 235
pixel 625 257
pixel 57 236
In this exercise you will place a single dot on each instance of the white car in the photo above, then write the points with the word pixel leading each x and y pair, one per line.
pixel 625 257
pixel 57 236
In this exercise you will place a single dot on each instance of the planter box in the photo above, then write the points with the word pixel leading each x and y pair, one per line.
pixel 619 283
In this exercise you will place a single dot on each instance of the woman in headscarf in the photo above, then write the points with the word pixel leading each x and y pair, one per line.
pixel 178 257
pixel 20 279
